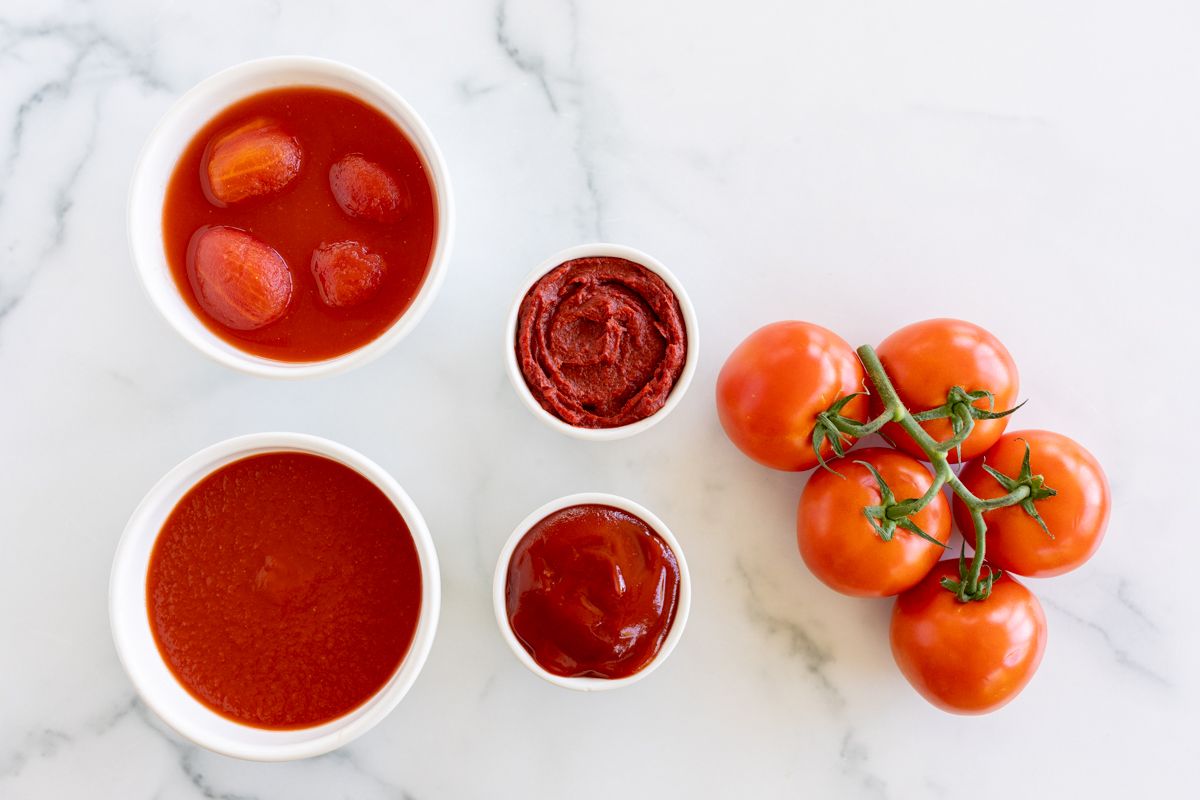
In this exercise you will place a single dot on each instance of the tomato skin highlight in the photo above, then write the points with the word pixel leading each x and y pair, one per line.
pixel 838 543
pixel 776 382
pixel 926 359
pixel 1077 515
pixel 967 658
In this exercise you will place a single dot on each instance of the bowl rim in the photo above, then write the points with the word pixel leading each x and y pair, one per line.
pixel 500 584
pixel 146 522
pixel 690 325
pixel 357 83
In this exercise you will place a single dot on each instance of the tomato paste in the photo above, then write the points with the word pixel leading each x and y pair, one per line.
pixel 601 342
pixel 299 224
pixel 592 592
pixel 284 590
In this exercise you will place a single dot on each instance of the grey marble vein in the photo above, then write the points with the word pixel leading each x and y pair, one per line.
pixel 801 643
pixel 87 43
pixel 42 743
pixel 470 90
pixel 64 195
pixel 48 743
pixel 569 101
pixel 856 759
pixel 187 763
pixel 85 40
pixel 346 756
pixel 1136 610
pixel 532 65
pixel 1120 654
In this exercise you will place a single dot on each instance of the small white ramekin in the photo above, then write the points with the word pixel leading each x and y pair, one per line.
pixel 513 366
pixel 500 590
pixel 157 686
pixel 172 135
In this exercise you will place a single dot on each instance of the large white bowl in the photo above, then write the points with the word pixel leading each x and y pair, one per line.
pixel 172 135
pixel 602 249
pixel 500 590
pixel 154 681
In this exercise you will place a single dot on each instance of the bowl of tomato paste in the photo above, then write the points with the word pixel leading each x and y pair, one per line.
pixel 291 217
pixel 601 341
pixel 592 592
pixel 274 596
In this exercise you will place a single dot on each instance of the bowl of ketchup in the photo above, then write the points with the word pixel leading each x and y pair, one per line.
pixel 592 592
pixel 274 596
pixel 291 217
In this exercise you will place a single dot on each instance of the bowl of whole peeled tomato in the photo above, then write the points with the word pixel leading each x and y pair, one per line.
pixel 291 217
pixel 875 521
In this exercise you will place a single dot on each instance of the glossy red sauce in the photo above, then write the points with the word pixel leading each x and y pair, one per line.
pixel 304 214
pixel 284 590
pixel 592 592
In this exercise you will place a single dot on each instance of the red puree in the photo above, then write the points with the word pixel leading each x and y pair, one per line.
pixel 325 224
pixel 284 590
pixel 601 342
pixel 592 592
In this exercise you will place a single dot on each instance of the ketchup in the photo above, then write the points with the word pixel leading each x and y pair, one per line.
pixel 592 592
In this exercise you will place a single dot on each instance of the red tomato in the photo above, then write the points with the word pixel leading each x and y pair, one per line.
pixel 967 658
pixel 1076 516
pixel 774 385
pixel 837 541
pixel 926 359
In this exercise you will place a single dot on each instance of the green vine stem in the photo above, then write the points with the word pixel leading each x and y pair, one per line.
pixel 960 408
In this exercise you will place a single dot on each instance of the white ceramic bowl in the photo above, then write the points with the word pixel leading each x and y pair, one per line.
pixel 152 678
pixel 171 136
pixel 500 586
pixel 513 366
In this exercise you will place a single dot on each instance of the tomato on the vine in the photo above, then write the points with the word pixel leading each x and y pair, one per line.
pixel 837 540
pixel 967 658
pixel 927 359
pixel 1075 517
pixel 773 386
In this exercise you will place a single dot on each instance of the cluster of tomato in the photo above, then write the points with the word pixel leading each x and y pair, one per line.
pixel 964 654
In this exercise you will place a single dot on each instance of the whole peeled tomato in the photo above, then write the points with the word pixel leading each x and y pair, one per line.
pixel 967 658
pixel 838 543
pixel 366 190
pixel 926 359
pixel 254 159
pixel 347 273
pixel 773 386
pixel 1076 516
pixel 238 279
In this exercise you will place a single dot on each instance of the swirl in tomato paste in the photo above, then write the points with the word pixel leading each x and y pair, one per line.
pixel 601 342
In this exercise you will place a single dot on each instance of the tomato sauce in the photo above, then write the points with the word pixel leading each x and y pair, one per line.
pixel 592 592
pixel 297 213
pixel 284 590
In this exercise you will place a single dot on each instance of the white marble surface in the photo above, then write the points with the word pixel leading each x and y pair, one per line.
pixel 1028 165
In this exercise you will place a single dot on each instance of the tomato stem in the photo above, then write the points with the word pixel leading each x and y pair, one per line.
pixel 1011 499
pixel 968 587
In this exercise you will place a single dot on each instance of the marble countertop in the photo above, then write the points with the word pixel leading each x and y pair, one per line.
pixel 1029 166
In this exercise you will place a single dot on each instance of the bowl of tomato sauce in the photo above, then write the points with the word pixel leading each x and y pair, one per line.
pixel 291 217
pixel 592 592
pixel 601 341
pixel 274 596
